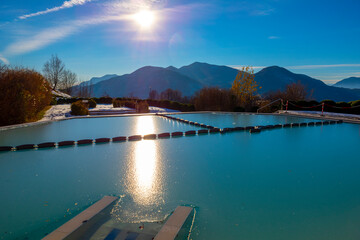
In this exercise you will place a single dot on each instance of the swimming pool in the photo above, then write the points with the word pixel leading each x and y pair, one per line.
pixel 225 120
pixel 83 128
pixel 288 183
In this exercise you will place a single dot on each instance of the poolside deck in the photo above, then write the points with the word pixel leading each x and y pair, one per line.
pixel 348 118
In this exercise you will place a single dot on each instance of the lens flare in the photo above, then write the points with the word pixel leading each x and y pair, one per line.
pixel 145 19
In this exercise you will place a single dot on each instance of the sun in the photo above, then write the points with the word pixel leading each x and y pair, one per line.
pixel 145 19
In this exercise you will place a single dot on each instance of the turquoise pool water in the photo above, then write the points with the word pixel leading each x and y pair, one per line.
pixel 293 183
pixel 223 120
pixel 76 129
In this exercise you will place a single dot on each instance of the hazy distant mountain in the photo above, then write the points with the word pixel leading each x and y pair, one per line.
pixel 96 80
pixel 274 78
pixel 352 82
pixel 191 78
pixel 140 82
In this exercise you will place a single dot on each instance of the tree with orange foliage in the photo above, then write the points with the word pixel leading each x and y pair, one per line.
pixel 245 87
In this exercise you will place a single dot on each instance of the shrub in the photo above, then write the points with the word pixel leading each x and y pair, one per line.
pixel 118 103
pixel 142 107
pixel 343 104
pixel 355 103
pixel 79 108
pixel 329 102
pixel 104 100
pixel 92 103
pixel 24 94
pixel 130 104
pixel 356 107
pixel 53 101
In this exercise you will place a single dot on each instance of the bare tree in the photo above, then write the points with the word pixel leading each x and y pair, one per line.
pixel 153 94
pixel 53 71
pixel 296 92
pixel 172 95
pixel 85 90
pixel 3 68
pixel 68 81
pixel 293 92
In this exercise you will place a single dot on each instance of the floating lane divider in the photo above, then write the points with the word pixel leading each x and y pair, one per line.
pixel 119 139
pixel 150 136
pixel 164 135
pixel 210 129
pixel 5 148
pixel 255 130
pixel 215 130
pixel 190 133
pixel 203 131
pixel 177 134
pixel 102 140
pixel 85 142
pixel 65 143
pixel 47 145
pixel 25 146
pixel 186 121
pixel 135 138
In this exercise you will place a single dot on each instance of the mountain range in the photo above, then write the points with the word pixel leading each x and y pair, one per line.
pixel 352 82
pixel 191 78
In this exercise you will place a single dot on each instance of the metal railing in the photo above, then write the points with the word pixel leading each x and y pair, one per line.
pixel 280 99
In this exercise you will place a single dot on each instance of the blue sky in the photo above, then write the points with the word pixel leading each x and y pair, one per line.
pixel 97 37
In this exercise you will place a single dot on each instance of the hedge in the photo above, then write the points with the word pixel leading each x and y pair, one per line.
pixel 79 108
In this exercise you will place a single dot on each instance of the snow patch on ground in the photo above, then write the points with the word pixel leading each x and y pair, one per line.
pixel 62 111
pixel 60 94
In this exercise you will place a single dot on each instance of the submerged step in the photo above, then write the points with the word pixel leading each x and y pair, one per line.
pixel 69 227
pixel 174 223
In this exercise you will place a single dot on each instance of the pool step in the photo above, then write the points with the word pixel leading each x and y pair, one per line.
pixel 76 222
pixel 174 223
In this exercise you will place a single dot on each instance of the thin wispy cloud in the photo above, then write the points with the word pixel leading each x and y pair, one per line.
pixel 273 37
pixel 262 12
pixel 39 40
pixel 51 35
pixel 66 4
pixel 239 67
pixel 305 66
pixel 4 60
pixel 323 66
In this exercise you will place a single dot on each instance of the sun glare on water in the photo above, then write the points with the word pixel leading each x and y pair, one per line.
pixel 145 19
